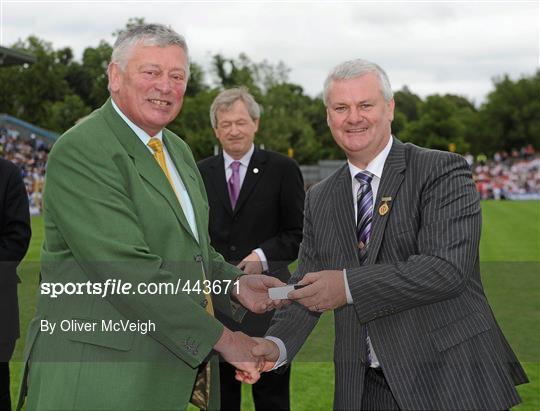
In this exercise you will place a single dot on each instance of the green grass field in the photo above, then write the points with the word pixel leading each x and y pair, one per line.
pixel 510 255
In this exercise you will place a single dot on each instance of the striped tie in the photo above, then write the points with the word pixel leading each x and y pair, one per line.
pixel 364 201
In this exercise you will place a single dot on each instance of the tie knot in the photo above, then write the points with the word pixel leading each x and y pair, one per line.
pixel 235 166
pixel 364 177
pixel 155 144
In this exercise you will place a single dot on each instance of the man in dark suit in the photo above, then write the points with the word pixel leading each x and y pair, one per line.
pixel 390 244
pixel 14 239
pixel 256 200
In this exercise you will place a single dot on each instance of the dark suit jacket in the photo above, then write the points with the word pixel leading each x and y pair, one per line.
pixel 268 215
pixel 418 293
pixel 14 240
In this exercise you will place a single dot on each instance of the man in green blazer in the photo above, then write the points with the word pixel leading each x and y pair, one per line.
pixel 129 280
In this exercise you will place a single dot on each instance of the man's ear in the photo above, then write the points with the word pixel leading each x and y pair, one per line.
pixel 114 77
pixel 391 106
pixel 256 125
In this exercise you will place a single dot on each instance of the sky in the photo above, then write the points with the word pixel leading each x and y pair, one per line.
pixel 432 47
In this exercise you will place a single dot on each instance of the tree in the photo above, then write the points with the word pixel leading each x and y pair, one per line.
pixel 132 22
pixel 510 117
pixel 440 123
pixel 284 123
pixel 196 82
pixel 56 91
pixel 193 124
pixel 242 71
pixel 89 80
pixel 234 72
pixel 407 103
pixel 28 91
pixel 64 114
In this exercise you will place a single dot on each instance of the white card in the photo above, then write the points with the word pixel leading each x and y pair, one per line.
pixel 280 293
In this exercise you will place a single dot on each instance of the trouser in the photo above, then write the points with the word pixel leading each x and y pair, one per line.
pixel 5 399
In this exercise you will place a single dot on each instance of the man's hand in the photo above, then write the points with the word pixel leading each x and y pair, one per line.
pixel 251 264
pixel 235 348
pixel 267 352
pixel 325 290
pixel 253 293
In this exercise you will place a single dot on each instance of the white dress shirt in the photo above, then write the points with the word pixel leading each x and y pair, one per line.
pixel 179 187
pixel 242 170
pixel 375 167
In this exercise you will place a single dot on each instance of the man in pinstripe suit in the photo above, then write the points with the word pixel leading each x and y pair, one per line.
pixel 390 244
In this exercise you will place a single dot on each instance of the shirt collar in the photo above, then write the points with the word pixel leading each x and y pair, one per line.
pixel 143 135
pixel 244 160
pixel 376 165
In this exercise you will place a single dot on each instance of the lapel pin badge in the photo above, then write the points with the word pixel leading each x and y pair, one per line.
pixel 384 208
pixel 256 170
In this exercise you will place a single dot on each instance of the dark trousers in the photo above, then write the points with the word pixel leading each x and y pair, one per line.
pixel 271 392
pixel 377 394
pixel 5 399
pixel 6 350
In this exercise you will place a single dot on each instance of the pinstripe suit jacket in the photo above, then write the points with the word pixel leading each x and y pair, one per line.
pixel 418 293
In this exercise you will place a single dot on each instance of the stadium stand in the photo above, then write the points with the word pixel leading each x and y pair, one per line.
pixel 514 176
pixel 31 156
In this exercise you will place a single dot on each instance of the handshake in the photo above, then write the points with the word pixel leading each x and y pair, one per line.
pixel 321 291
pixel 249 355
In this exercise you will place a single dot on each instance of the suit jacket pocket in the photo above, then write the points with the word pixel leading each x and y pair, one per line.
pixel 117 340
pixel 459 331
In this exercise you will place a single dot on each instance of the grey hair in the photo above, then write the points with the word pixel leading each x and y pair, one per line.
pixel 148 35
pixel 356 68
pixel 227 98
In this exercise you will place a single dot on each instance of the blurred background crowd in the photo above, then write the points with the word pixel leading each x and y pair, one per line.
pixel 513 175
pixel 31 157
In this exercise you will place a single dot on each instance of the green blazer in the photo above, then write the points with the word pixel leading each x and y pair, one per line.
pixel 110 213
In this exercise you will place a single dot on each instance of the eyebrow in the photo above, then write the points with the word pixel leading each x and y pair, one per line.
pixel 153 65
pixel 149 65
pixel 356 103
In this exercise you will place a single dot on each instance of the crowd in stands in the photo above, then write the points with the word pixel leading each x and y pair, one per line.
pixel 511 176
pixel 31 156
pixel 514 175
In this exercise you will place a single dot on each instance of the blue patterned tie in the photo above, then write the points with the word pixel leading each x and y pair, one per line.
pixel 364 201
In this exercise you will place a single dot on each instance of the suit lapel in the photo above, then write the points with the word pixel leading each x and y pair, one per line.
pixel 219 182
pixel 254 172
pixel 343 214
pixel 392 177
pixel 143 160
pixel 187 174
